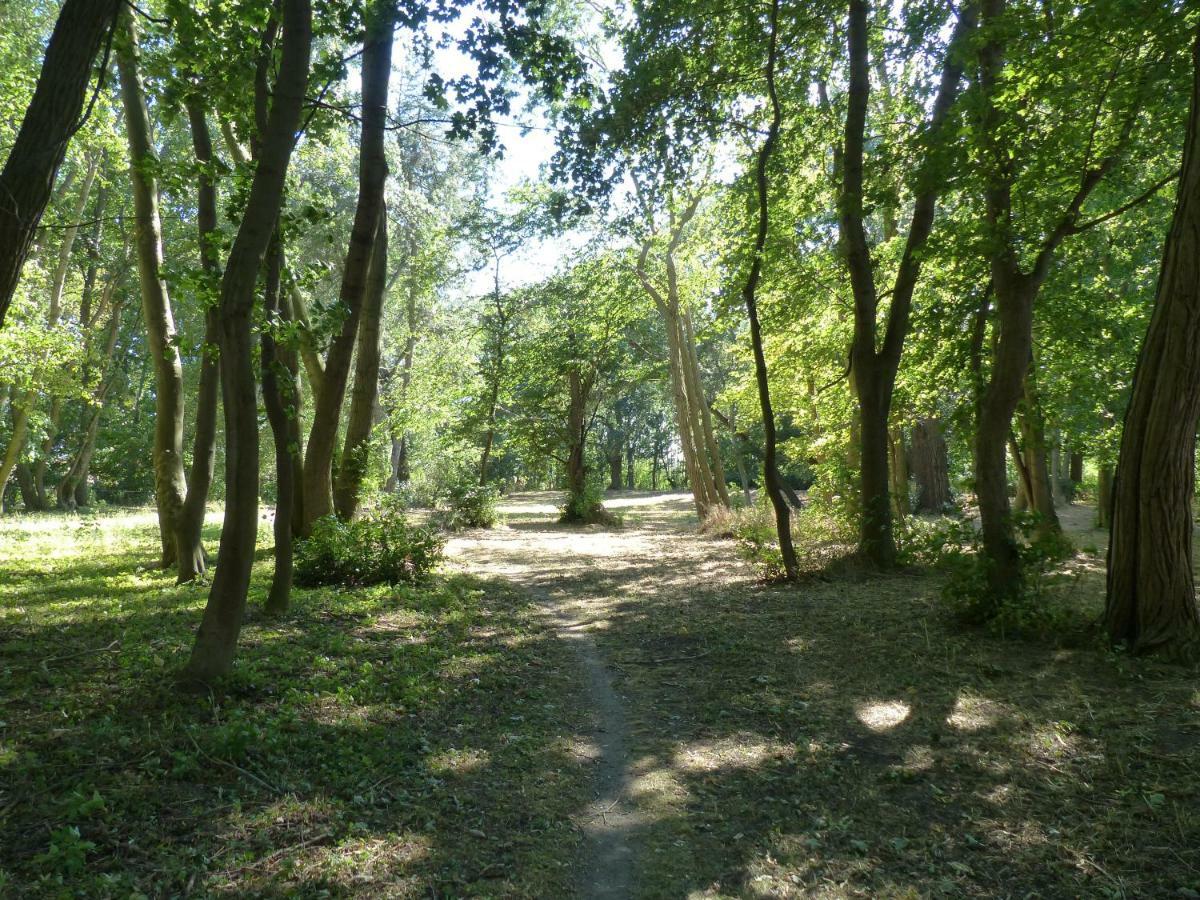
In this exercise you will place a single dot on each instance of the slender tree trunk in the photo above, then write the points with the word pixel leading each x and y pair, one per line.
pixel 348 488
pixel 51 119
pixel 69 487
pixel 376 70
pixel 191 559
pixel 930 466
pixel 274 375
pixel 771 479
pixel 576 446
pixel 1104 495
pixel 169 481
pixel 712 449
pixel 216 641
pixel 1033 433
pixel 898 457
pixel 16 445
pixel 61 270
pixel 1151 601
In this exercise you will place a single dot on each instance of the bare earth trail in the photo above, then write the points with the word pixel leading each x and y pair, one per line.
pixel 845 737
pixel 584 579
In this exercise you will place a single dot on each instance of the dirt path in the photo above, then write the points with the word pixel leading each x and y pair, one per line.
pixel 583 577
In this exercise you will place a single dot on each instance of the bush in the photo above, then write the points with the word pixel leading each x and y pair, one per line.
pixel 586 507
pixel 468 505
pixel 955 546
pixel 381 547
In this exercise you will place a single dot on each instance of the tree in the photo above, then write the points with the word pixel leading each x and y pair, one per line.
pixel 1151 597
pixel 50 121
pixel 216 639
pixel 874 367
pixel 170 485
pixel 373 170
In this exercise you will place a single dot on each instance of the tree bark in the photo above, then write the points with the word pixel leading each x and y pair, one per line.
pixel 275 374
pixel 216 640
pixel 327 408
pixel 1104 496
pixel 169 481
pixel 772 481
pixel 1151 599
pixel 930 464
pixel 874 368
pixel 365 393
pixel 1037 466
pixel 191 559
pixel 898 467
pixel 51 119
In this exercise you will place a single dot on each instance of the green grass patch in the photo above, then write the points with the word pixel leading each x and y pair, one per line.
pixel 398 741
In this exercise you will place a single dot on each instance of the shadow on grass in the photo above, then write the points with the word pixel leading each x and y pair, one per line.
pixel 375 742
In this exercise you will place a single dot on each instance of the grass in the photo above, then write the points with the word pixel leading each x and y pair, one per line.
pixel 398 742
pixel 843 738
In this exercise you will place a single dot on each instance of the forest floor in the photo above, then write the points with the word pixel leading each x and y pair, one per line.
pixel 578 712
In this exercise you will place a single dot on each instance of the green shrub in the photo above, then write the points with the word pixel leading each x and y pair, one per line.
pixel 381 547
pixel 587 506
pixel 956 546
pixel 468 505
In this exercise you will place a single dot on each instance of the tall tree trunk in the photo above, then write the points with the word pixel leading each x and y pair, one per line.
pixel 630 475
pixel 711 449
pixel 169 481
pixel 51 119
pixel 1151 600
pixel 191 559
pixel 771 479
pixel 365 393
pixel 930 465
pixel 275 375
pixel 1037 465
pixel 216 639
pixel 898 467
pixel 1075 469
pixel 874 367
pixel 1104 495
pixel 327 408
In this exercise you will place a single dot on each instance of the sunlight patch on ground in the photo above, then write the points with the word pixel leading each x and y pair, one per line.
pixel 973 714
pixel 882 715
pixel 457 762
pixel 734 752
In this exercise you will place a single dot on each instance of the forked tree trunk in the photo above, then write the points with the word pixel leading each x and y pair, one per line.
pixel 365 393
pixel 52 117
pixel 1151 602
pixel 191 559
pixel 373 169
pixel 875 363
pixel 930 464
pixel 216 640
pixel 169 481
